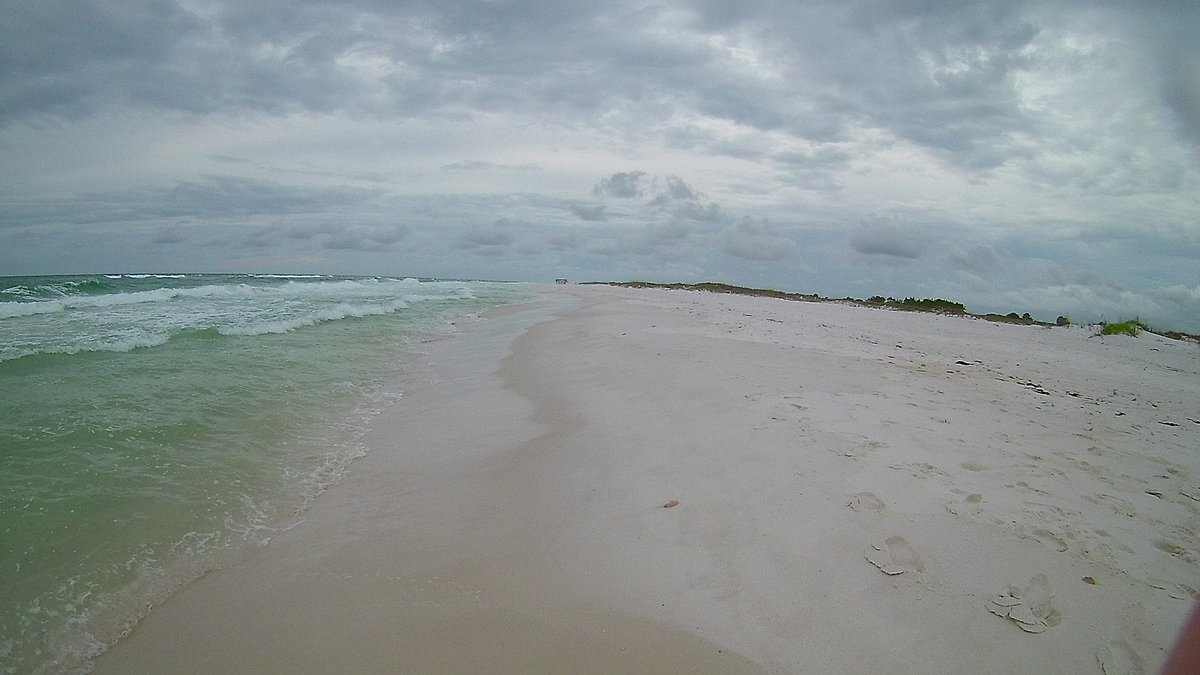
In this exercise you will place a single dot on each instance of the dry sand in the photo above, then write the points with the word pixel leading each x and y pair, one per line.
pixel 859 491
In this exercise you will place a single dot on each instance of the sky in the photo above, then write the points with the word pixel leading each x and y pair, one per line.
pixel 1038 157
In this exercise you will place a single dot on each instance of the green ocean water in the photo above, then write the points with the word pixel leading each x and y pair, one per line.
pixel 153 427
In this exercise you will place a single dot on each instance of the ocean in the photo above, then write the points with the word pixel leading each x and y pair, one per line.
pixel 154 427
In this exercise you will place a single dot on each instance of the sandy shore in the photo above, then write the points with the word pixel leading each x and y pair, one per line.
pixel 858 490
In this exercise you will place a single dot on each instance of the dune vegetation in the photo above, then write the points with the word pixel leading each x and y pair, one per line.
pixel 934 305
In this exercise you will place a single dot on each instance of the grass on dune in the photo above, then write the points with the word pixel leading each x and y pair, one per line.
pixel 1132 327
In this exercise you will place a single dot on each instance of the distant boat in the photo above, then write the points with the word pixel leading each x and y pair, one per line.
pixel 560 281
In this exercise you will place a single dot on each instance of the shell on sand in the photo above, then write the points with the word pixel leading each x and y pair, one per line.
pixel 671 504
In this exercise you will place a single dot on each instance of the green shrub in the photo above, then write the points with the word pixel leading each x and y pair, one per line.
pixel 1123 328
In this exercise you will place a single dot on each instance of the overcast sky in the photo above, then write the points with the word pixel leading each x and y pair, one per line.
pixel 1040 156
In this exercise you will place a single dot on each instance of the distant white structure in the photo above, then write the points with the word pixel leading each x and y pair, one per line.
pixel 560 280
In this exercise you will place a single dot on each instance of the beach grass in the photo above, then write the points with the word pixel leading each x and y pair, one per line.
pixel 1132 327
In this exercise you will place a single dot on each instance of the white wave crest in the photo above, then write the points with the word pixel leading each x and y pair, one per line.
pixel 15 309
pixel 334 313
pixel 296 286
pixel 127 344
pixel 11 310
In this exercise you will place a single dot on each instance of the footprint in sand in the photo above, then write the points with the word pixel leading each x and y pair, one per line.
pixel 919 469
pixel 969 507
pixel 1028 605
pixel 1053 540
pixel 1118 658
pixel 866 501
pixel 894 556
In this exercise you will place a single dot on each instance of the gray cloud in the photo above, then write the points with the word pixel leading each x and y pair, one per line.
pixel 364 238
pixel 591 212
pixel 168 235
pixel 679 190
pixel 756 240
pixel 565 241
pixel 1182 94
pixel 367 134
pixel 948 82
pixel 682 202
pixel 977 259
pixel 208 197
pixel 888 239
pixel 667 233
pixel 388 234
pixel 479 165
pixel 708 213
pixel 498 235
pixel 622 185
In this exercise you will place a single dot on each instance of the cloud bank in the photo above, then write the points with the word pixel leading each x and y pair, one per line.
pixel 1017 156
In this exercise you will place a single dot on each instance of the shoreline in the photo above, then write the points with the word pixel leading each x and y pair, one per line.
pixel 510 518
pixel 417 561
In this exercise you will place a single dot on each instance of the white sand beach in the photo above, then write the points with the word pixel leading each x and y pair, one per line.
pixel 858 491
